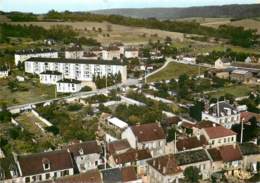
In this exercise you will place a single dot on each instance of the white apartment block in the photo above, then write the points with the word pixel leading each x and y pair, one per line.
pixel 50 77
pixel 82 70
pixel 26 54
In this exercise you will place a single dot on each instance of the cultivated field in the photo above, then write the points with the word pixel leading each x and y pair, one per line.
pixel 131 35
pixel 237 90
pixel 247 23
pixel 174 70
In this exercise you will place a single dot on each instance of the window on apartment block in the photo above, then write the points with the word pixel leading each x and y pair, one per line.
pixel 47 176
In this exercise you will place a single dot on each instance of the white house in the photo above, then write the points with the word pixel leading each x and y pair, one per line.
pixel 23 55
pixel 120 45
pixel 222 113
pixel 111 53
pixel 74 53
pixel 87 155
pixel 4 72
pixel 117 125
pixel 50 77
pixel 131 53
pixel 146 136
pixel 45 166
pixel 78 69
pixel 68 86
pixel 222 63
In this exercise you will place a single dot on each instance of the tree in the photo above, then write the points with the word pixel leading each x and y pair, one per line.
pixel 192 174
pixel 183 86
pixel 196 110
pixel 5 115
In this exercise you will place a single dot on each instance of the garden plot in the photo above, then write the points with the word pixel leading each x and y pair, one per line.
pixel 31 123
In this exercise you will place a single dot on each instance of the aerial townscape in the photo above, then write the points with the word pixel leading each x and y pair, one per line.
pixel 153 95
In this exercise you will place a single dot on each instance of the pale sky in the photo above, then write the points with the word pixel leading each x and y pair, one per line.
pixel 42 6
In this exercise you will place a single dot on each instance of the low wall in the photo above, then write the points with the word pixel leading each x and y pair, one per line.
pixel 46 122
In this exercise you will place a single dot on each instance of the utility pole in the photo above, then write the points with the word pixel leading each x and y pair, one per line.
pixel 145 80
pixel 105 155
pixel 106 77
pixel 242 131
pixel 175 142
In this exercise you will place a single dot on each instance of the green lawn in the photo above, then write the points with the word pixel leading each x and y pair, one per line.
pixel 174 70
pixel 237 91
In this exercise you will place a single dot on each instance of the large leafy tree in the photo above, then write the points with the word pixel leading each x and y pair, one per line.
pixel 192 174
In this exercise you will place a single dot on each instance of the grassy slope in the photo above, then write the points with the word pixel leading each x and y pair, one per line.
pixel 174 70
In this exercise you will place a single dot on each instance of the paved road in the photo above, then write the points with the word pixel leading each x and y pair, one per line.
pixel 75 95
pixel 168 60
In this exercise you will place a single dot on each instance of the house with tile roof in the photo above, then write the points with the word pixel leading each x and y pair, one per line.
pixel 251 156
pixel 227 157
pixel 146 136
pixel 44 166
pixel 163 169
pixel 87 155
pixel 120 154
pixel 218 136
pixel 87 177
pixel 170 168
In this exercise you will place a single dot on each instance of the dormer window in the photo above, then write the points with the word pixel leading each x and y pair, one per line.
pixel 46 164
pixel 13 170
pixel 81 152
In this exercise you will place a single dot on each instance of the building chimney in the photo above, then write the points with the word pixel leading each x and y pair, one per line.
pixel 164 170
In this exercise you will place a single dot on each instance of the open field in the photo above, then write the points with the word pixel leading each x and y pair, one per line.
pixel 116 32
pixel 203 20
pixel 35 92
pixel 174 70
pixel 247 23
pixel 237 91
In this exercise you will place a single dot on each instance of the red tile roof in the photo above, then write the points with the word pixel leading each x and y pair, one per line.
pixel 246 116
pixel 33 164
pixel 215 154
pixel 190 143
pixel 119 145
pixel 128 174
pixel 132 155
pixel 166 164
pixel 230 153
pixel 89 147
pixel 188 125
pixel 92 176
pixel 148 132
pixel 218 132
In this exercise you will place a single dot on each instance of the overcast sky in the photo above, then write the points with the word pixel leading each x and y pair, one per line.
pixel 42 6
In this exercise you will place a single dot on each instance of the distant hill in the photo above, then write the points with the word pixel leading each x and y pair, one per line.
pixel 233 11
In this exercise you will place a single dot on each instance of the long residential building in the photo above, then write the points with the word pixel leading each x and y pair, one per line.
pixel 23 55
pixel 78 69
